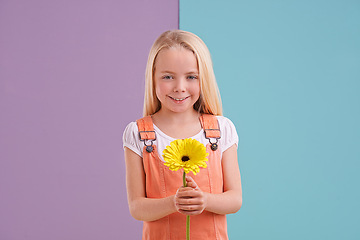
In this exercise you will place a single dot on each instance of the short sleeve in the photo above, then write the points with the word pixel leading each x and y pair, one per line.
pixel 131 138
pixel 229 135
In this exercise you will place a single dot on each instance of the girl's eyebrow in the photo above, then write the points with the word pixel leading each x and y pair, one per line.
pixel 192 72
pixel 165 71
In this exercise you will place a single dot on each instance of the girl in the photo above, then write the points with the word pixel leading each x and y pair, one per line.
pixel 181 101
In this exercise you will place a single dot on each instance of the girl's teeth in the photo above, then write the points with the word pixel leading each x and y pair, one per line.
pixel 178 99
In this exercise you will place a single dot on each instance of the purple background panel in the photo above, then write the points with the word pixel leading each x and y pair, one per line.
pixel 71 79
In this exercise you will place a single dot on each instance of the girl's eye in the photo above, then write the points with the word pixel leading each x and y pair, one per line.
pixel 192 77
pixel 167 77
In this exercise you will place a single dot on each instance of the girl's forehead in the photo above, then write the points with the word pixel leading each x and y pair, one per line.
pixel 176 56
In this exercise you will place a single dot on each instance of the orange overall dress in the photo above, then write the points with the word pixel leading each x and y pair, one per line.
pixel 162 182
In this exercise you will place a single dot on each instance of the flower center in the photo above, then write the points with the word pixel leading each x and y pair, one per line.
pixel 185 158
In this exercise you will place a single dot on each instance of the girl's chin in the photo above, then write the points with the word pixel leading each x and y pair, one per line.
pixel 177 109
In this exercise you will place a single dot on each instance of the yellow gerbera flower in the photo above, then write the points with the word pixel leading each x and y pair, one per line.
pixel 188 154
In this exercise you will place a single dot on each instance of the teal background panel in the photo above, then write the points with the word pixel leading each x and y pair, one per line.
pixel 289 75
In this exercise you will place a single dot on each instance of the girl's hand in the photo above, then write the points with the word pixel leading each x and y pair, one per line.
pixel 190 200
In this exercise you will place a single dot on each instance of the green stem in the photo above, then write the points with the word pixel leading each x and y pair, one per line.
pixel 187 217
pixel 187 227
pixel 184 180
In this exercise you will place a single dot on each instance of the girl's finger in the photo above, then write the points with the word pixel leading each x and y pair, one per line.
pixel 183 190
pixel 191 182
pixel 191 193
pixel 190 201
pixel 191 213
pixel 190 208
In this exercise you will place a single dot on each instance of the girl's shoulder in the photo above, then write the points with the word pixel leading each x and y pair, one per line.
pixel 131 127
pixel 228 131
pixel 131 138
pixel 131 131
pixel 225 123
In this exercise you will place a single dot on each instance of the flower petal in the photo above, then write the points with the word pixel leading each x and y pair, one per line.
pixel 192 148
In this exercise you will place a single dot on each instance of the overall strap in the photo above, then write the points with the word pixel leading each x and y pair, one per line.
pixel 210 125
pixel 211 128
pixel 146 128
pixel 146 132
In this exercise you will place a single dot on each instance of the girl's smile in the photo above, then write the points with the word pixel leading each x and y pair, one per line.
pixel 178 100
pixel 176 77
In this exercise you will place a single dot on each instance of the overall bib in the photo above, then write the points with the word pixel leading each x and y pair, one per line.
pixel 162 182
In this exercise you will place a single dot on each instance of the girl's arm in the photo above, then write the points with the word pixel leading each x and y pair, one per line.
pixel 142 208
pixel 230 200
pixel 192 201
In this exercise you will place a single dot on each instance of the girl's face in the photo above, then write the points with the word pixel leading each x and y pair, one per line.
pixel 176 78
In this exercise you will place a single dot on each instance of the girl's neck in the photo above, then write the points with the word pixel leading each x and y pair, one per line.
pixel 177 118
pixel 178 125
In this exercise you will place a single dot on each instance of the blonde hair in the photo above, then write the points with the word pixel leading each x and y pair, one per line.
pixel 210 100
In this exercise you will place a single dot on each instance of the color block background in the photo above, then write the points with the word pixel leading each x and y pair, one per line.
pixel 289 75
pixel 71 78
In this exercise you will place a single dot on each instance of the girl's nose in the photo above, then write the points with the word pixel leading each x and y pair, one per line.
pixel 180 85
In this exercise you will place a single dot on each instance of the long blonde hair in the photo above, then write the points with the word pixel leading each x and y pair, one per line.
pixel 210 100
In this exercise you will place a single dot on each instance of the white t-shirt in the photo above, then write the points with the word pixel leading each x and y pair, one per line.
pixel 132 141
